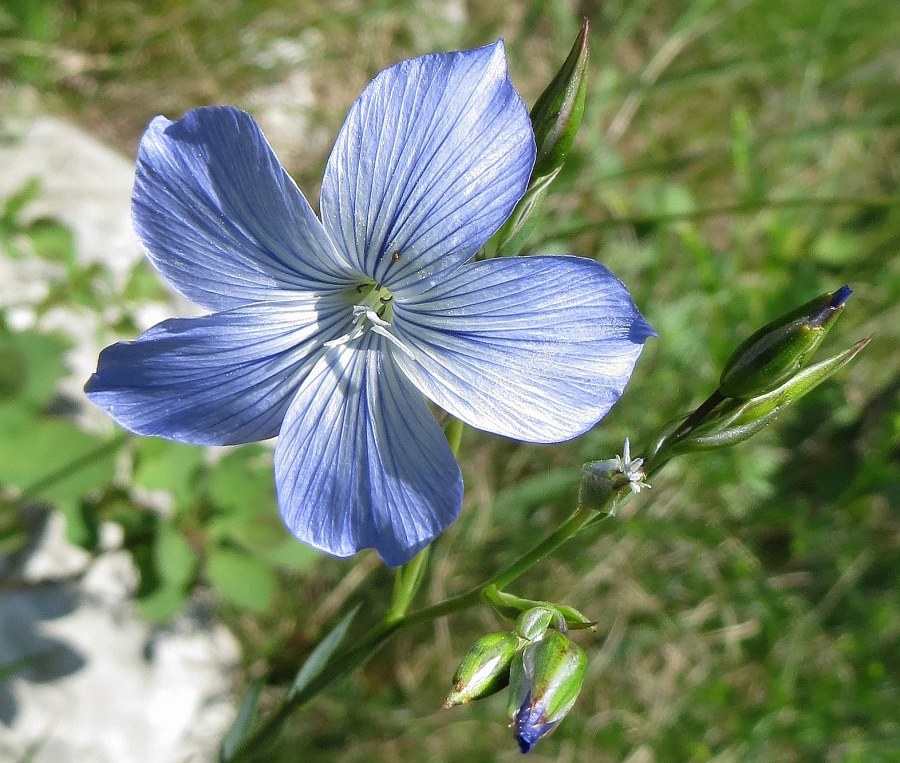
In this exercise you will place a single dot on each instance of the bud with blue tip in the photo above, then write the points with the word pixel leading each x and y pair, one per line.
pixel 779 350
pixel 768 372
pixel 545 680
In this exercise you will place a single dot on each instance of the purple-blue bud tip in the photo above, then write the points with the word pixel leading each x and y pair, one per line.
pixel 836 302
pixel 525 743
pixel 841 296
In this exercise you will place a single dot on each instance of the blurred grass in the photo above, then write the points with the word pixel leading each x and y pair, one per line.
pixel 737 158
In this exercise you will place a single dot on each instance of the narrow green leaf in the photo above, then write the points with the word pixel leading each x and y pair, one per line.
pixel 320 656
pixel 242 723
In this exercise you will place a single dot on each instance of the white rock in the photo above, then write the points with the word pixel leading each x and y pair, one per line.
pixel 106 686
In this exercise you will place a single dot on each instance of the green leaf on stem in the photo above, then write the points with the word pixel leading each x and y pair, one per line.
pixel 320 656
pixel 242 723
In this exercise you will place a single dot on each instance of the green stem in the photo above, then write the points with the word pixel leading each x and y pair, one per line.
pixel 407 580
pixel 260 739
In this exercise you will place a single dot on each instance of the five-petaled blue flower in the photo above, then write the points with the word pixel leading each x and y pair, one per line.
pixel 334 334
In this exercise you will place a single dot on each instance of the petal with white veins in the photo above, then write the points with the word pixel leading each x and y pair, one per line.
pixel 220 379
pixel 533 348
pixel 361 462
pixel 431 160
pixel 219 216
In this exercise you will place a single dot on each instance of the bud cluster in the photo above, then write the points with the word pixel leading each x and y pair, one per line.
pixel 542 666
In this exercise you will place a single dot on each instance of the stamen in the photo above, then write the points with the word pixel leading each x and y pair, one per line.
pixel 382 331
pixel 367 319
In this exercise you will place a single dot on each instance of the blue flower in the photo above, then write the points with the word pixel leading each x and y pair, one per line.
pixel 334 334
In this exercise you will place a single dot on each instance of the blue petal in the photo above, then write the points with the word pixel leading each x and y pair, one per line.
pixel 431 160
pixel 220 379
pixel 361 462
pixel 219 216
pixel 534 348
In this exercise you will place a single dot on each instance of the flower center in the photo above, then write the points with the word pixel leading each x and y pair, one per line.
pixel 373 311
pixel 377 299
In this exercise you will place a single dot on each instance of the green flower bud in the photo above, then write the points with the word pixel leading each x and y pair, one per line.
pixel 545 680
pixel 557 114
pixel 779 350
pixel 733 421
pixel 555 120
pixel 485 669
pixel 765 375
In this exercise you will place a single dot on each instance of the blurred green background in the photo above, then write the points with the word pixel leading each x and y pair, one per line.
pixel 737 158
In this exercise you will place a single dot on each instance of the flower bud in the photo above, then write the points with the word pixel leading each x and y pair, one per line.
pixel 545 680
pixel 555 119
pixel 776 352
pixel 733 421
pixel 557 114
pixel 485 669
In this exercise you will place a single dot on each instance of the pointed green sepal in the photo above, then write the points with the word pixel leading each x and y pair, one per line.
pixel 557 114
pixel 779 350
pixel 511 606
pixel 533 623
pixel 485 669
pixel 545 680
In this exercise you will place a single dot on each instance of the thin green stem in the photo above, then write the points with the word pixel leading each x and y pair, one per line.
pixel 342 665
pixel 407 580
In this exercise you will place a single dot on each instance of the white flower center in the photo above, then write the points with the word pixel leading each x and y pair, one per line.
pixel 372 312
